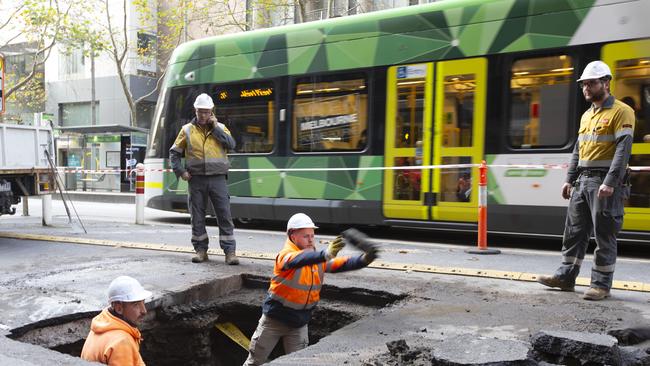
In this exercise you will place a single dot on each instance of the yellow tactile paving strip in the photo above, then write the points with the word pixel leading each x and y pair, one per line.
pixel 408 267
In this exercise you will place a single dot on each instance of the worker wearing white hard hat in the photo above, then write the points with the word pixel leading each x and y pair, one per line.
pixel 295 288
pixel 596 185
pixel 114 338
pixel 205 142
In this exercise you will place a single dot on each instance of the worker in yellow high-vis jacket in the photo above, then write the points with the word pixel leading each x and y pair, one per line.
pixel 205 143
pixel 596 185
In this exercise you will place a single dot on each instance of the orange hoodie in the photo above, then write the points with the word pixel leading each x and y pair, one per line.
pixel 112 341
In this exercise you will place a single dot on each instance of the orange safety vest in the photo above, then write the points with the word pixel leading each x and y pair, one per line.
pixel 299 288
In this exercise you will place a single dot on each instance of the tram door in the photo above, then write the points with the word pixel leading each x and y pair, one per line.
pixel 459 126
pixel 630 65
pixel 409 115
pixel 434 121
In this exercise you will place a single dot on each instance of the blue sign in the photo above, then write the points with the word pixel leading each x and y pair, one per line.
pixel 401 72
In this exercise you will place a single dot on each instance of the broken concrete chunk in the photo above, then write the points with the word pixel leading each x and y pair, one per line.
pixel 585 347
pixel 478 351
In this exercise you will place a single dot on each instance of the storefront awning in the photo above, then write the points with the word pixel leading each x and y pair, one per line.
pixel 103 129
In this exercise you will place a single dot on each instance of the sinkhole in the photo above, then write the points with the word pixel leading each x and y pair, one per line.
pixel 206 324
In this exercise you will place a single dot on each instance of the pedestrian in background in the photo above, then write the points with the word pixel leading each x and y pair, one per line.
pixel 114 338
pixel 596 185
pixel 295 288
pixel 205 143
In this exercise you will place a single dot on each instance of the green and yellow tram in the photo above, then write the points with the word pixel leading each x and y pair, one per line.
pixel 449 83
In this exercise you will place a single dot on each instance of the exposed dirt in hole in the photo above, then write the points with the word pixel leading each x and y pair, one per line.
pixel 185 334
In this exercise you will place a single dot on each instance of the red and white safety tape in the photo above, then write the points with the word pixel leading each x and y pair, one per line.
pixel 412 167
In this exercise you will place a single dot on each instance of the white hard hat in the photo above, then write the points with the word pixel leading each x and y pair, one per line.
pixel 126 289
pixel 203 101
pixel 300 221
pixel 595 70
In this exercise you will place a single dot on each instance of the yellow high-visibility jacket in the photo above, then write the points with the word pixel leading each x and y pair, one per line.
pixel 205 149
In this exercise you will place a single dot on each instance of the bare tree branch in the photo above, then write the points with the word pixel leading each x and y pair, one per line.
pixel 119 59
pixel 46 51
pixel 152 92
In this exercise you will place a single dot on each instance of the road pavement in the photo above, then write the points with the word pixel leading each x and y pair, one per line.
pixel 41 279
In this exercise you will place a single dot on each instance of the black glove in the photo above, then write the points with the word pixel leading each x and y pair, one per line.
pixel 361 241
pixel 371 254
pixel 357 238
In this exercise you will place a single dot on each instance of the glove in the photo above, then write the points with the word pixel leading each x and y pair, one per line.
pixel 358 239
pixel 371 254
pixel 335 247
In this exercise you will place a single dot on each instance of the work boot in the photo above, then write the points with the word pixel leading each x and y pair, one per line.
pixel 231 258
pixel 595 293
pixel 554 281
pixel 201 256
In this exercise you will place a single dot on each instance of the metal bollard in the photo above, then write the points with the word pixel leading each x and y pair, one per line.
pixel 482 214
pixel 46 203
pixel 139 194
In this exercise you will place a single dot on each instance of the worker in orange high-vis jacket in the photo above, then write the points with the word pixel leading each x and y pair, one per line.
pixel 114 338
pixel 295 287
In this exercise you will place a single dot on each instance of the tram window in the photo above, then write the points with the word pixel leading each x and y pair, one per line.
pixel 330 114
pixel 458 110
pixel 178 112
pixel 540 90
pixel 640 180
pixel 456 183
pixel 406 182
pixel 248 112
pixel 410 112
pixel 633 88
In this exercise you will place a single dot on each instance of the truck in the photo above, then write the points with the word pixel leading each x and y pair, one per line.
pixel 24 166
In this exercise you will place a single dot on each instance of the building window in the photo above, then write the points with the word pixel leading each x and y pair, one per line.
pixel 77 114
pixel 71 62
pixel 144 114
pixel 147 54
pixel 540 93
pixel 330 114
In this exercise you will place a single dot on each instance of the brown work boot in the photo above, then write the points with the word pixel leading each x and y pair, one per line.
pixel 201 256
pixel 231 259
pixel 553 281
pixel 595 293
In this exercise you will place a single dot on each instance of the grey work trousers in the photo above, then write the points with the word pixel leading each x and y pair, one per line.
pixel 213 188
pixel 587 214
pixel 266 336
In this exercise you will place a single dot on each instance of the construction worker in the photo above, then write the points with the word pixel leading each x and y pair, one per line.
pixel 596 185
pixel 114 338
pixel 205 143
pixel 295 287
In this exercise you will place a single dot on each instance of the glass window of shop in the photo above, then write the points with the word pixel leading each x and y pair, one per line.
pixel 98 156
pixel 330 114
pixel 540 93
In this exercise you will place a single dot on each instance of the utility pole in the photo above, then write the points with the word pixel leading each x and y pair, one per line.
pixel 93 118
